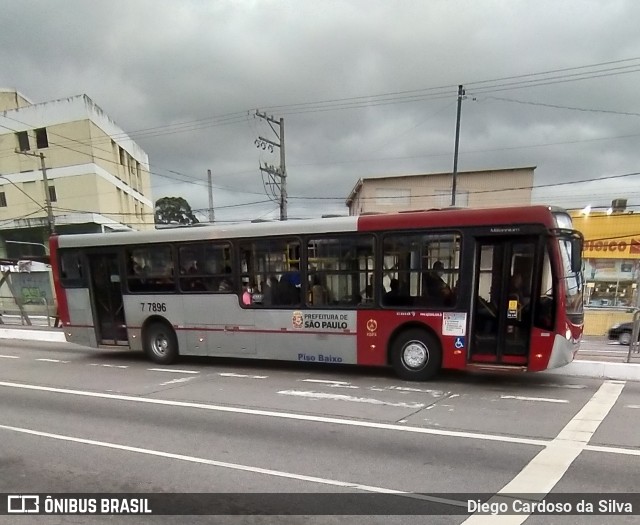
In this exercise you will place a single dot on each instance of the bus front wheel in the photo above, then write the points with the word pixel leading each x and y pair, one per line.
pixel 416 355
pixel 161 343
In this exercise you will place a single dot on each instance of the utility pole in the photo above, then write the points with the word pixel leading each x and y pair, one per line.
pixel 277 176
pixel 211 212
pixel 45 181
pixel 455 152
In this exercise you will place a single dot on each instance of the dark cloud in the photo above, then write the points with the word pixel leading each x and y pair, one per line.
pixel 168 72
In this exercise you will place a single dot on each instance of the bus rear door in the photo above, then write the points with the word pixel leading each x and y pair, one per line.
pixel 501 316
pixel 106 298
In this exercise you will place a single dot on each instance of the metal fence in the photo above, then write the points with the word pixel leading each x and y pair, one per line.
pixel 634 344
pixel 33 312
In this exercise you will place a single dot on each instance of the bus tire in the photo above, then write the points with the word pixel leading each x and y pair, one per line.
pixel 161 343
pixel 416 355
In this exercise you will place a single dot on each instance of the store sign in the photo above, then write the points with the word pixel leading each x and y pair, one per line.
pixel 615 248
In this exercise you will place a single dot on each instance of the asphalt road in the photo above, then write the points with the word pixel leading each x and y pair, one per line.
pixel 601 349
pixel 74 419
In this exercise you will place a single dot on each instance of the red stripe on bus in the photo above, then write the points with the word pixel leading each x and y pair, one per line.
pixel 234 329
pixel 63 306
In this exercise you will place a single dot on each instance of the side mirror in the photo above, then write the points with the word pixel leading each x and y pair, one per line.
pixel 576 254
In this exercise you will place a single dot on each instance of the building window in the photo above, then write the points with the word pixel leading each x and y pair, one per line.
pixel 23 141
pixel 52 194
pixel 121 155
pixel 42 141
pixel 3 199
pixel 611 282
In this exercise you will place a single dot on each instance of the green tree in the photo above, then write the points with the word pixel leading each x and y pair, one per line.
pixel 174 210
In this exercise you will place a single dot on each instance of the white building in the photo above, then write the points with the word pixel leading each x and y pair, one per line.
pixel 98 178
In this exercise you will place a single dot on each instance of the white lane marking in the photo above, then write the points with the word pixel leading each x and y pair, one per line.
pixel 52 360
pixel 236 466
pixel 108 366
pixel 173 370
pixel 326 381
pixel 177 380
pixel 545 399
pixel 632 406
pixel 332 384
pixel 282 415
pixel 614 450
pixel 544 471
pixel 342 397
pixel 230 374
pixel 10 356
pixel 560 385
pixel 409 389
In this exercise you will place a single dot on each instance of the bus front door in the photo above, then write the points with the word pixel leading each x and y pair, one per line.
pixel 106 296
pixel 501 316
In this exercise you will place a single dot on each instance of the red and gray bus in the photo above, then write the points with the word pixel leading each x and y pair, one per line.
pixel 419 291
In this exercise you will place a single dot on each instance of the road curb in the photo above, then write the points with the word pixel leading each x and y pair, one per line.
pixel 54 336
pixel 599 370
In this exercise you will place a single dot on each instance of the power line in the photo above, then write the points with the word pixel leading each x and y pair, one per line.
pixel 558 106
pixel 484 86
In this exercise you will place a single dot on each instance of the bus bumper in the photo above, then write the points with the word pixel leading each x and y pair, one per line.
pixel 562 352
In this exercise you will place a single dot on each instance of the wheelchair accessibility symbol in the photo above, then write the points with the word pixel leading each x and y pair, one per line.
pixel 459 342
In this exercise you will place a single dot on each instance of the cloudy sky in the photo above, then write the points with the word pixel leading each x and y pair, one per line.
pixel 367 88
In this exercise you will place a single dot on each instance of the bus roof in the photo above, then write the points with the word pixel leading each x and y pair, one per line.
pixel 199 233
pixel 401 220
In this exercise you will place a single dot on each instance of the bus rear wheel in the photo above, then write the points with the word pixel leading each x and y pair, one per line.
pixel 161 343
pixel 416 355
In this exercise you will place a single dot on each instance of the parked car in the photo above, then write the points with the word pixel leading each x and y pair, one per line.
pixel 621 332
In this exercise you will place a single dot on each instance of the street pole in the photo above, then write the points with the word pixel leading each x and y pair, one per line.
pixel 45 181
pixel 455 152
pixel 50 219
pixel 283 176
pixel 277 176
pixel 211 213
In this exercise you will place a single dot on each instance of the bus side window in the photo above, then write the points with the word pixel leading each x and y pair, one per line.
pixel 270 273
pixel 71 271
pixel 340 270
pixel 426 267
pixel 150 269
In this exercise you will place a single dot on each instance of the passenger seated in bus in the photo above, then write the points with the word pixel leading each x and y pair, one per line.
pixel 438 291
pixel 195 284
pixel 317 292
pixel 517 290
pixel 367 295
pixel 270 291
pixel 225 286
pixel 288 294
pixel 247 293
pixel 392 297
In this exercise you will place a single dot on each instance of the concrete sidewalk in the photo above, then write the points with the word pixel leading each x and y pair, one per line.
pixel 597 369
pixel 32 333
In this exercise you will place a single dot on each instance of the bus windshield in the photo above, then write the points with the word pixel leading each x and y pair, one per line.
pixel 573 282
